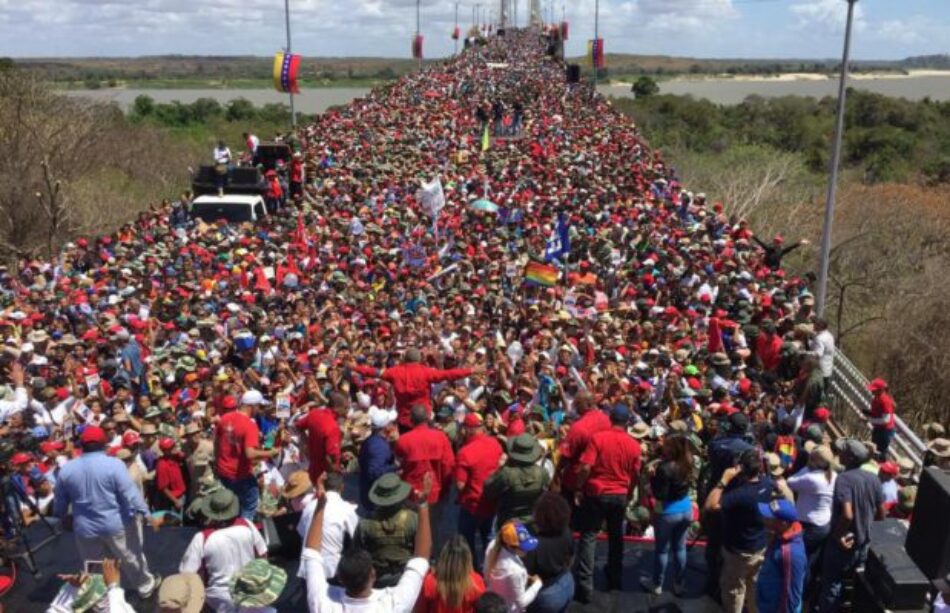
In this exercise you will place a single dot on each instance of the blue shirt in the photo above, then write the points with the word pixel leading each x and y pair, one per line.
pixel 101 493
pixel 742 527
pixel 132 354
pixel 376 459
pixel 781 581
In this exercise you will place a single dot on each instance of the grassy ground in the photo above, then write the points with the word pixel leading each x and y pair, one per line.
pixel 205 83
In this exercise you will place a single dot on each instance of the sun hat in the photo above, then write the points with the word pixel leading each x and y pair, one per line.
pixel 183 592
pixel 192 428
pixel 298 483
pixel 906 468
pixel 640 430
pixel 389 490
pixel 524 448
pixel 514 534
pixel 90 593
pixel 219 505
pixel 258 584
pixel 940 447
pixel 781 509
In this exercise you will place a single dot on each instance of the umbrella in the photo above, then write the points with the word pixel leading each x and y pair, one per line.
pixel 485 205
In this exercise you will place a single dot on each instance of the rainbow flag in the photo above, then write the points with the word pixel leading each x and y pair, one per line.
pixel 541 274
pixel 286 66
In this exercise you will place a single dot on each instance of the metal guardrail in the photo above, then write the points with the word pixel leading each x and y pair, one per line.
pixel 852 400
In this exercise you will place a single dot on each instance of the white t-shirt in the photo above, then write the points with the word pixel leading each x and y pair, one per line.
pixel 321 598
pixel 509 579
pixel 339 519
pixel 224 553
pixel 813 495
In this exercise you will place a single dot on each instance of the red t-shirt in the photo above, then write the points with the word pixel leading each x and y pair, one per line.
pixel 430 602
pixel 168 476
pixel 882 406
pixel 323 440
pixel 423 450
pixel 412 384
pixel 235 433
pixel 576 441
pixel 614 458
pixel 477 460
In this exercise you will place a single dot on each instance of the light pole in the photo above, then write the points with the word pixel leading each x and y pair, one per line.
pixel 835 160
pixel 596 38
pixel 456 32
pixel 293 113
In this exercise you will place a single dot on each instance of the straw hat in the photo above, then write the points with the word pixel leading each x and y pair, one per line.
pixel 184 592
pixel 298 484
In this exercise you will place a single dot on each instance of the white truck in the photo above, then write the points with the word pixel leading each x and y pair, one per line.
pixel 233 208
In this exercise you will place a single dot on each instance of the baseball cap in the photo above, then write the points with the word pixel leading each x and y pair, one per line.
pixel 738 422
pixel 20 458
pixel 514 534
pixel 166 444
pixel 472 420
pixel 877 385
pixel 228 403
pixel 780 509
pixel 131 437
pixel 620 413
pixel 822 414
pixel 253 398
pixel 92 434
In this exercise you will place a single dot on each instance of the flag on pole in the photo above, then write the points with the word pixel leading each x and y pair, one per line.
pixel 541 274
pixel 286 66
pixel 417 47
pixel 595 52
pixel 564 30
pixel 486 139
pixel 456 33
pixel 559 243
pixel 432 197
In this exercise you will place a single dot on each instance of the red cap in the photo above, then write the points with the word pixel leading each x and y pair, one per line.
pixel 822 414
pixel 166 444
pixel 47 446
pixel 62 393
pixel 472 420
pixel 131 437
pixel 93 434
pixel 20 458
pixel 878 385
pixel 887 468
pixel 229 402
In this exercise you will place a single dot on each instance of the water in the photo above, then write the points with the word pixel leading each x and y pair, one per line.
pixel 721 91
pixel 734 91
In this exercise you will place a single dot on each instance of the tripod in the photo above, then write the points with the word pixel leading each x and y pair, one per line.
pixel 14 525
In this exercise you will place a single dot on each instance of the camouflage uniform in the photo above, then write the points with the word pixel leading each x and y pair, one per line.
pixel 389 536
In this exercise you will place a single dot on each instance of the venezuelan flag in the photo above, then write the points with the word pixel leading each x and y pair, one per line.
pixel 541 274
pixel 286 66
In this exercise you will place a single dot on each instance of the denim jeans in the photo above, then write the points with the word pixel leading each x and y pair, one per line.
pixel 837 564
pixel 593 512
pixel 469 527
pixel 247 493
pixel 670 531
pixel 555 596
pixel 814 538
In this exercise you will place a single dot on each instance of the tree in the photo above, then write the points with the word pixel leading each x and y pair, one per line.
pixel 143 106
pixel 644 87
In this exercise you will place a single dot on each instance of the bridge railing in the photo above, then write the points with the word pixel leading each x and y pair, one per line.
pixel 851 401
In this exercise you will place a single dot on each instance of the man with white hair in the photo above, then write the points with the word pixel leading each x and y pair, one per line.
pixel 376 454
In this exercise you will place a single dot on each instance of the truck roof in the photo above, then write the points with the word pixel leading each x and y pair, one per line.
pixel 228 199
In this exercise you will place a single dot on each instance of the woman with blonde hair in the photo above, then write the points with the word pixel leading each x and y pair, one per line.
pixel 452 586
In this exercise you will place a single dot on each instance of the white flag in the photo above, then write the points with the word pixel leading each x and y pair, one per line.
pixel 431 197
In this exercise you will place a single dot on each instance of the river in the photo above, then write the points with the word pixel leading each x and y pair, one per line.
pixel 719 90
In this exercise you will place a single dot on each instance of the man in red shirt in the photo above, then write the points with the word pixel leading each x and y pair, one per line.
pixel 477 460
pixel 610 469
pixel 236 450
pixel 592 420
pixel 412 383
pixel 881 416
pixel 768 347
pixel 324 436
pixel 425 450
pixel 169 479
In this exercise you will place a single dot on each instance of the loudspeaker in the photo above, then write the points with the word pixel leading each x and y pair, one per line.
pixel 864 599
pixel 928 541
pixel 894 577
pixel 573 73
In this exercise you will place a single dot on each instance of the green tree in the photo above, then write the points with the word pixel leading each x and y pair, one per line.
pixel 644 87
pixel 240 109
pixel 143 106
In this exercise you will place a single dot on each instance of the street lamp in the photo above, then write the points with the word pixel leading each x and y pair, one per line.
pixel 293 113
pixel 596 38
pixel 835 161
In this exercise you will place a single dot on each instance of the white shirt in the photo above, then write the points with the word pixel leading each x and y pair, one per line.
pixel 113 602
pixel 222 156
pixel 339 519
pixel 813 495
pixel 19 402
pixel 509 579
pixel 823 346
pixel 321 598
pixel 224 553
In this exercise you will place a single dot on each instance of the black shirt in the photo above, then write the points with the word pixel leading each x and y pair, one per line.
pixel 742 526
pixel 552 557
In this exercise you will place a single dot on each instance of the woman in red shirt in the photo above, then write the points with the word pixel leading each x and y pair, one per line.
pixel 454 586
pixel 169 479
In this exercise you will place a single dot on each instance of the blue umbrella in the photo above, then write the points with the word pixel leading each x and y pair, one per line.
pixel 485 205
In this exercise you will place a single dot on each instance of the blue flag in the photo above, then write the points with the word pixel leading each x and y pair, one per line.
pixel 559 243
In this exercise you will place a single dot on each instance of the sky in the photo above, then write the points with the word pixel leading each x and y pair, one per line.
pixel 884 29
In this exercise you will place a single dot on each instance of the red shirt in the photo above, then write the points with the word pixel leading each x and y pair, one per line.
pixel 412 384
pixel 882 407
pixel 235 433
pixel 423 450
pixel 614 460
pixel 476 461
pixel 574 444
pixel 769 349
pixel 168 476
pixel 430 602
pixel 323 441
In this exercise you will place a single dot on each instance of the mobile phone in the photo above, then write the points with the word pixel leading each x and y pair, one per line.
pixel 93 567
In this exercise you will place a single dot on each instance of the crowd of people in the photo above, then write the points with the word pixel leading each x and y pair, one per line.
pixel 670 382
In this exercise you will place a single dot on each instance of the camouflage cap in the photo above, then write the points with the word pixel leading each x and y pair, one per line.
pixel 258 584
pixel 90 593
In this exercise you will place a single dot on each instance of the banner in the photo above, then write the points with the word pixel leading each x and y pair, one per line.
pixel 286 66
pixel 559 243
pixel 456 33
pixel 541 274
pixel 595 53
pixel 432 197
pixel 417 47
pixel 564 30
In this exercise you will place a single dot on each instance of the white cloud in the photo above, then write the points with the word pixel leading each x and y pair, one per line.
pixel 686 15
pixel 825 16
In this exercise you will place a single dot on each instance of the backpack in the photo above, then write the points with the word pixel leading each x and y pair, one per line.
pixel 787 450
